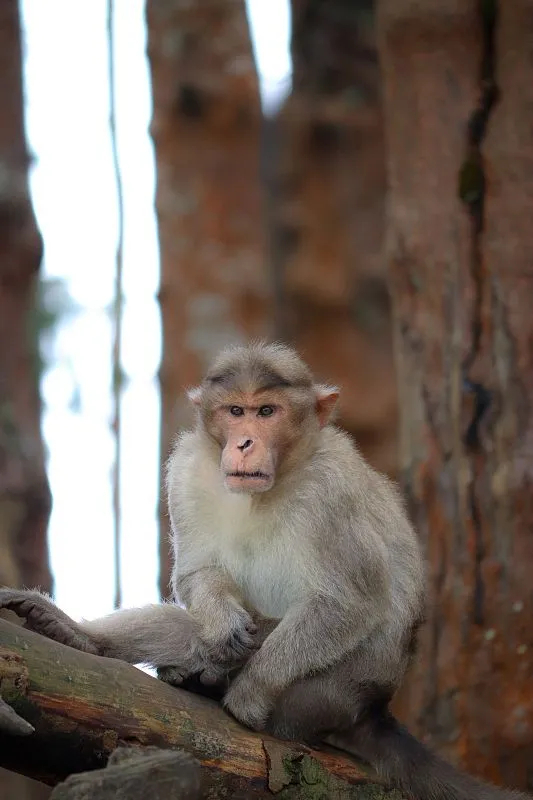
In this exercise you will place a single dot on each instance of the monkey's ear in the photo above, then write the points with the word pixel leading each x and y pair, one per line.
pixel 326 399
pixel 195 395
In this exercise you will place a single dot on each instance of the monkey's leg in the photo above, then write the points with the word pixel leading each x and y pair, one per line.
pixel 337 699
pixel 159 635
pixel 314 707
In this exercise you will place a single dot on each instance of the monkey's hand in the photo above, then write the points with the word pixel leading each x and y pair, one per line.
pixel 43 616
pixel 250 700
pixel 228 631
pixel 225 627
pixel 215 680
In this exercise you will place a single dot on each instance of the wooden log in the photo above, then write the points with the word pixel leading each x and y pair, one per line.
pixel 134 773
pixel 83 707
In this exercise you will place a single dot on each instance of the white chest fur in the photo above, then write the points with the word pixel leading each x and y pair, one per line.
pixel 257 542
pixel 257 548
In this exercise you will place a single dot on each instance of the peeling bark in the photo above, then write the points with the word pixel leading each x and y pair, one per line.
pixel 206 128
pixel 459 245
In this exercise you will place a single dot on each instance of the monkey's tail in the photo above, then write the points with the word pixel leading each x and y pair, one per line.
pixel 405 763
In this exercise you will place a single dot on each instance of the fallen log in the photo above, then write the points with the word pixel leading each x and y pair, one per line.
pixel 135 774
pixel 83 707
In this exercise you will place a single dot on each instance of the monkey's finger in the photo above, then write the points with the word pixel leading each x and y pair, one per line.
pixel 213 676
pixel 244 620
pixel 243 641
pixel 24 604
pixel 234 648
pixel 10 722
pixel 172 675
pixel 30 605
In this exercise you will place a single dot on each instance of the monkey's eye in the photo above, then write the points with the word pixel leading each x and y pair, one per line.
pixel 266 411
pixel 236 411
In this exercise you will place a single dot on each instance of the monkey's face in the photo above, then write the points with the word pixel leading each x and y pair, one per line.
pixel 254 433
pixel 260 405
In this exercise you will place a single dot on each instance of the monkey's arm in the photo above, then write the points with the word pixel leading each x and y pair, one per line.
pixel 310 638
pixel 313 635
pixel 159 635
pixel 226 627
pixel 206 589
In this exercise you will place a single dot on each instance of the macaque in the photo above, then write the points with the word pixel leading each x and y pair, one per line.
pixel 301 575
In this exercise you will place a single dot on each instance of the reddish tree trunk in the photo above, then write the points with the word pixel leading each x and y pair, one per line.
pixel 459 252
pixel 328 191
pixel 206 127
pixel 24 493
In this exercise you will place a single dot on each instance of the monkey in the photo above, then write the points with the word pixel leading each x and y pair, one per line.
pixel 298 580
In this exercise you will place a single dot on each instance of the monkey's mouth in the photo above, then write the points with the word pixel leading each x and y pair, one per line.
pixel 256 474
pixel 244 481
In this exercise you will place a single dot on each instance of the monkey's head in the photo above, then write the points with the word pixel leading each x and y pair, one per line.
pixel 259 403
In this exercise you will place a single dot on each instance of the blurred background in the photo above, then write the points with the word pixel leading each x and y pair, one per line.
pixel 352 177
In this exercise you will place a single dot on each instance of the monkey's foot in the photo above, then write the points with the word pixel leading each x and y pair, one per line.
pixel 194 683
pixel 43 616
pixel 206 674
pixel 172 675
pixel 249 702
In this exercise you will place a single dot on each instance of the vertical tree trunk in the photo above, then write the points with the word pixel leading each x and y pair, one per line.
pixel 459 251
pixel 327 217
pixel 206 127
pixel 24 493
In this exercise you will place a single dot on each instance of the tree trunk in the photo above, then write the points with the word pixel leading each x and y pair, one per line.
pixel 327 187
pixel 82 707
pixel 24 493
pixel 459 252
pixel 206 127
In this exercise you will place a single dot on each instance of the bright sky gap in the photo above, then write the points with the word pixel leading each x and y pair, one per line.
pixel 74 195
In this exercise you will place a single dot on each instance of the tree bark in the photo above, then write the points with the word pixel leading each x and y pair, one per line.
pixel 459 253
pixel 24 492
pixel 82 707
pixel 327 190
pixel 206 128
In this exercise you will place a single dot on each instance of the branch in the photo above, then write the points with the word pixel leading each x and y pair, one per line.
pixel 83 706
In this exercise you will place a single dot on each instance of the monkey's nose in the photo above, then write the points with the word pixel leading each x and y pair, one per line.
pixel 245 445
